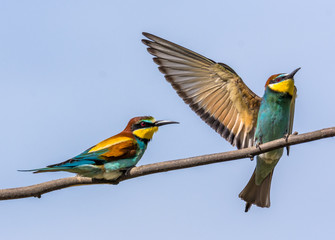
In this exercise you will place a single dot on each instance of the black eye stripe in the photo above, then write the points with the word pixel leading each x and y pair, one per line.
pixel 278 79
pixel 140 125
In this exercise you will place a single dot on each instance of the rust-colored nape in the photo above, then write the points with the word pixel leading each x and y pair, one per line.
pixel 135 120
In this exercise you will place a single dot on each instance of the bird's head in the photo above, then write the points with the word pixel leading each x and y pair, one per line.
pixel 283 82
pixel 145 127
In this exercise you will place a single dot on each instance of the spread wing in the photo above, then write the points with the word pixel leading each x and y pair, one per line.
pixel 292 108
pixel 213 90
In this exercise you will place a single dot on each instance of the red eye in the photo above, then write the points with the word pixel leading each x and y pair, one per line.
pixel 279 79
pixel 142 124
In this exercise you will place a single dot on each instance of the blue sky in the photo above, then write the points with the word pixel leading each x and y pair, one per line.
pixel 73 73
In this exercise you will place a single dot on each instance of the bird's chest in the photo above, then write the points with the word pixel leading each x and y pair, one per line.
pixel 273 117
pixel 142 146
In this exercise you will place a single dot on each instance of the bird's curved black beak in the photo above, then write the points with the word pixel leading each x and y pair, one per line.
pixel 164 122
pixel 291 75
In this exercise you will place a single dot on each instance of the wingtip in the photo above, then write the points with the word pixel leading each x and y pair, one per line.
pixel 162 70
pixel 154 38
pixel 147 35
pixel 152 51
pixel 145 42
pixel 157 61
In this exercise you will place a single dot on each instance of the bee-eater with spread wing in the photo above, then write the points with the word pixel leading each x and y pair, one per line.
pixel 220 97
pixel 111 157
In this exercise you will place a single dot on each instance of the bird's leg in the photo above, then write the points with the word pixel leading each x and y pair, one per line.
pixel 287 135
pixel 114 182
pixel 124 172
pixel 258 143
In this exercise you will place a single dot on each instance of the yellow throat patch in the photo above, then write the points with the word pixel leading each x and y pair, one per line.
pixel 145 133
pixel 286 86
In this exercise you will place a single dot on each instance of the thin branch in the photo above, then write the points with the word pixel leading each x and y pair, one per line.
pixel 39 189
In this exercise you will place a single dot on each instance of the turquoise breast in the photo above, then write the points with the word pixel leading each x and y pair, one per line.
pixel 272 123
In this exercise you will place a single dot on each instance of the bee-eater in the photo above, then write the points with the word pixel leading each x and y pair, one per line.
pixel 220 97
pixel 111 157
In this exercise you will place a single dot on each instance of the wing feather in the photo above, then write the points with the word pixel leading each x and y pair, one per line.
pixel 112 149
pixel 120 146
pixel 213 90
pixel 292 108
pixel 122 150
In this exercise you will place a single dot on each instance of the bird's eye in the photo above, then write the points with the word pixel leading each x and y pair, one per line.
pixel 142 124
pixel 279 79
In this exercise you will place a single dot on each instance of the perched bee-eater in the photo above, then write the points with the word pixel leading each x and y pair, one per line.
pixel 220 97
pixel 111 157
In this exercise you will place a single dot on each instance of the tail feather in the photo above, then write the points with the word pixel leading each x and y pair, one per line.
pixel 257 194
pixel 64 166
pixel 47 169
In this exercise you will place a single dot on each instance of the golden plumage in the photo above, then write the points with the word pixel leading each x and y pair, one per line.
pixel 109 142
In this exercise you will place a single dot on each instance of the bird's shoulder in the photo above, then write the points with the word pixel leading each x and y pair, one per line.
pixel 120 140
pixel 120 146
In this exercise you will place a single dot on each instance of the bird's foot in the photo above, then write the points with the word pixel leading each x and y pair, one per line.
pixel 114 182
pixel 124 174
pixel 126 171
pixel 286 136
pixel 108 181
pixel 258 145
